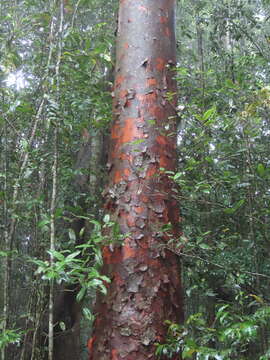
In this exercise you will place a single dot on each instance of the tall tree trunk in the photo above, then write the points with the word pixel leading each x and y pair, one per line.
pixel 7 262
pixel 200 42
pixel 145 287
pixel 67 309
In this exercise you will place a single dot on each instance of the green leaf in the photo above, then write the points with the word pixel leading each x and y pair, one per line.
pixel 204 246
pixel 136 142
pixel 106 57
pixel 72 235
pixel 42 223
pixel 24 107
pixel 81 294
pixel 235 207
pixel 72 256
pixel 209 113
pixel 87 314
pixel 188 352
pixel 58 213
pixel 230 84
pixel 103 289
pixel 106 219
pixel 261 170
pixel 82 231
pixel 62 325
pixel 177 176
pixel 57 254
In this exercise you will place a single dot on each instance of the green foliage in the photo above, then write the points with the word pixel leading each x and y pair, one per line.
pixel 223 177
pixel 228 337
pixel 10 336
pixel 81 265
pixel 34 100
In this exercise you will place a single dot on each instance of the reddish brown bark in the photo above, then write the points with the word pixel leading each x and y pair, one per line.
pixel 145 288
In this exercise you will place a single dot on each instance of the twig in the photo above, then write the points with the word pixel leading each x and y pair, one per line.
pixel 179 253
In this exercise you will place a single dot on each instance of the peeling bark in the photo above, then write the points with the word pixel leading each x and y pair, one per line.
pixel 145 288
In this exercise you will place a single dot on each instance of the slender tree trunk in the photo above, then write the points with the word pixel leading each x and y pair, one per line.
pixel 67 344
pixel 52 246
pixel 145 287
pixel 54 185
pixel 199 30
pixel 6 261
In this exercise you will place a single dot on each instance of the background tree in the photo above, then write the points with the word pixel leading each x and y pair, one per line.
pixel 35 98
pixel 223 172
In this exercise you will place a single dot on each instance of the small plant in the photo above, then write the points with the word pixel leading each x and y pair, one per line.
pixel 81 266
pixel 9 336
pixel 227 338
pixel 74 266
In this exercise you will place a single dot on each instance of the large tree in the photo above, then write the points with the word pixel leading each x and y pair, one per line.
pixel 145 287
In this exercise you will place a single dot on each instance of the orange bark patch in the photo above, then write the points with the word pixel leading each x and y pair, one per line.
pixel 118 80
pixel 139 209
pixel 163 19
pixel 153 263
pixel 142 8
pixel 148 102
pixel 126 46
pixel 127 172
pixel 115 131
pixel 167 32
pixel 90 344
pixel 164 162
pixel 151 97
pixel 124 156
pixel 151 82
pixel 141 97
pixel 157 112
pixel 130 131
pixel 161 140
pixel 151 171
pixel 111 257
pixel 114 354
pixel 128 252
pixel 124 134
pixel 130 220
pixel 147 98
pixel 144 199
pixel 117 176
pixel 123 94
pixel 160 64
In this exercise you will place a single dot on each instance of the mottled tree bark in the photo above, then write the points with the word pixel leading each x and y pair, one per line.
pixel 145 288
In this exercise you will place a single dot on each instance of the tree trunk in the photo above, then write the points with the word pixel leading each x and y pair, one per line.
pixel 145 287
pixel 67 309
